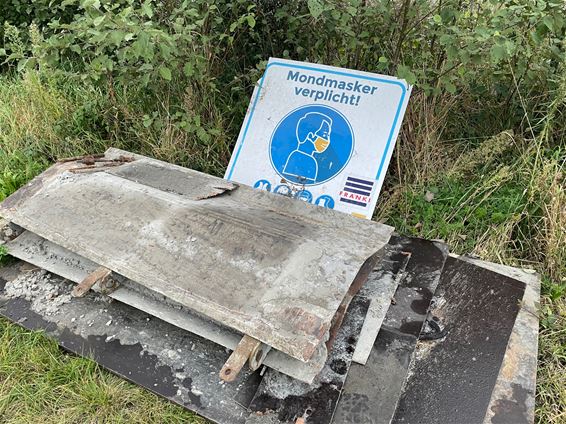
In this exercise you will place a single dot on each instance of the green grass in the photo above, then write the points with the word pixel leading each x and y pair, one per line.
pixel 39 383
pixel 551 375
pixel 3 255
pixel 501 196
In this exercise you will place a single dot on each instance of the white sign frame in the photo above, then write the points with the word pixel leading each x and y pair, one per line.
pixel 273 97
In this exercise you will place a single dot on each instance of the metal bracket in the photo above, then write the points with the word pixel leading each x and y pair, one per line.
pixel 108 285
pixel 258 355
pixel 247 348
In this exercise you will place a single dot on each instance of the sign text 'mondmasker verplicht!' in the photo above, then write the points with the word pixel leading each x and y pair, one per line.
pixel 334 90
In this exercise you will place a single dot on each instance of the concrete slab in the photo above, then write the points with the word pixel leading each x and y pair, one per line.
pixel 58 260
pixel 259 263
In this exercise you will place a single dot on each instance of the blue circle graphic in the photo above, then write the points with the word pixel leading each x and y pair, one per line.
pixel 283 190
pixel 263 185
pixel 311 145
pixel 325 201
pixel 304 195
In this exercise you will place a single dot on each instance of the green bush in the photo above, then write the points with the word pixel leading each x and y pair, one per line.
pixel 487 50
pixel 24 12
pixel 21 13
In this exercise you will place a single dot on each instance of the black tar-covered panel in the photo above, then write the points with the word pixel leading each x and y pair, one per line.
pixel 452 379
pixel 371 391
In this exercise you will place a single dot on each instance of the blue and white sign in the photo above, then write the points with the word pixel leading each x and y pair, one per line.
pixel 321 134
pixel 311 145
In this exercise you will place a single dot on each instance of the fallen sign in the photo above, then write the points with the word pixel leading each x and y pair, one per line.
pixel 272 269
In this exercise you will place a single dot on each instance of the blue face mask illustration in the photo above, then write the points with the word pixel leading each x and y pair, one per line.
pixel 313 136
pixel 322 140
pixel 311 145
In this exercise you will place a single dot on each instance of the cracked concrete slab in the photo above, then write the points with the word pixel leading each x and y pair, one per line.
pixel 259 263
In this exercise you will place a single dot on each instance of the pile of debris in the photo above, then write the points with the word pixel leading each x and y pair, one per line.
pixel 336 318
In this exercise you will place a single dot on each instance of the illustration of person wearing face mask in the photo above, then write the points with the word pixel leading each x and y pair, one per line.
pixel 313 135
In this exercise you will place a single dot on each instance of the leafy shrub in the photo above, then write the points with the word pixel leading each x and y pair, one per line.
pixel 179 73
pixel 171 70
pixel 21 13
pixel 488 51
pixel 17 170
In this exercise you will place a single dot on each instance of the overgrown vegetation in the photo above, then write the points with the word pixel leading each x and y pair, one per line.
pixel 479 163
